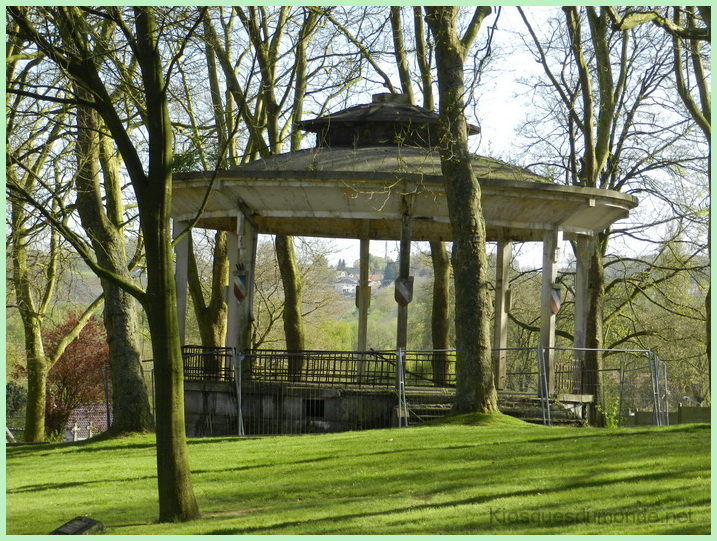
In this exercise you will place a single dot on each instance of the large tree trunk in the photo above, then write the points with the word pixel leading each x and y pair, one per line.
pixel 130 401
pixel 293 320
pixel 176 495
pixel 36 391
pixel 592 380
pixel 440 318
pixel 475 389
pixel 36 361
pixel 131 410
pixel 212 316
pixel 702 115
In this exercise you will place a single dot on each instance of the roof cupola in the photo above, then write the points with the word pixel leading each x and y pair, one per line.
pixel 389 119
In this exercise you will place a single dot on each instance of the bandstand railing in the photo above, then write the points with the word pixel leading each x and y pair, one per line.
pixel 635 380
pixel 208 364
pixel 356 368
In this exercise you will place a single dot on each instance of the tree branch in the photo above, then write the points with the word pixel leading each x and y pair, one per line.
pixel 75 331
pixel 631 19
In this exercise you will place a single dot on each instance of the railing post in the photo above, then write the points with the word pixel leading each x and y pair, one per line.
pixel 543 386
pixel 401 389
pixel 622 385
pixel 237 362
pixel 655 400
pixel 666 405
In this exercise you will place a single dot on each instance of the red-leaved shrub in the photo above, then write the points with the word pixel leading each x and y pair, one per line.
pixel 77 377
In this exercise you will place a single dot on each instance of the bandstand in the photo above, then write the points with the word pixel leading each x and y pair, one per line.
pixel 375 174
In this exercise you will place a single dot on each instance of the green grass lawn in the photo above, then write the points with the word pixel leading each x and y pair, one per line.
pixel 464 477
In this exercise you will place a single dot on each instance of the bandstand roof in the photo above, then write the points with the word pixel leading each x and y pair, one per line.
pixel 354 189
pixel 331 193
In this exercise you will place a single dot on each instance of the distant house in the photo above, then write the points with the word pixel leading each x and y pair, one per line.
pixel 346 285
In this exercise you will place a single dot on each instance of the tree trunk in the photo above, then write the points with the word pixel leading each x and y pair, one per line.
pixel 131 410
pixel 176 495
pixel 293 321
pixel 592 380
pixel 36 392
pixel 400 52
pixel 37 363
pixel 440 319
pixel 212 316
pixel 475 389
pixel 36 359
pixel 702 115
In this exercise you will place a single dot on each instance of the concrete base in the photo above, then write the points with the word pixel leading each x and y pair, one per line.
pixel 210 408
pixel 270 408
pixel 295 409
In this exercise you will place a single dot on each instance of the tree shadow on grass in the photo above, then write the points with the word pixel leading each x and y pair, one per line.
pixel 119 447
pixel 321 523
pixel 223 439
pixel 224 470
pixel 73 484
pixel 20 450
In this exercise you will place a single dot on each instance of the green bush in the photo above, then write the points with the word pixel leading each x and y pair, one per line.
pixel 15 398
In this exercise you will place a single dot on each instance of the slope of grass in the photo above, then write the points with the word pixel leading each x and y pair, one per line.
pixel 472 475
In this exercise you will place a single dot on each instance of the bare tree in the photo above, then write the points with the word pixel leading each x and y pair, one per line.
pixel 688 33
pixel 103 222
pixel 73 39
pixel 35 154
pixel 440 322
pixel 266 31
pixel 475 388
pixel 607 86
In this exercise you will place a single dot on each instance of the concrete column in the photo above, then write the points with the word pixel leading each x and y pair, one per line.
pixel 244 282
pixel 551 247
pixel 240 291
pixel 232 339
pixel 404 283
pixel 181 271
pixel 502 305
pixel 363 294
